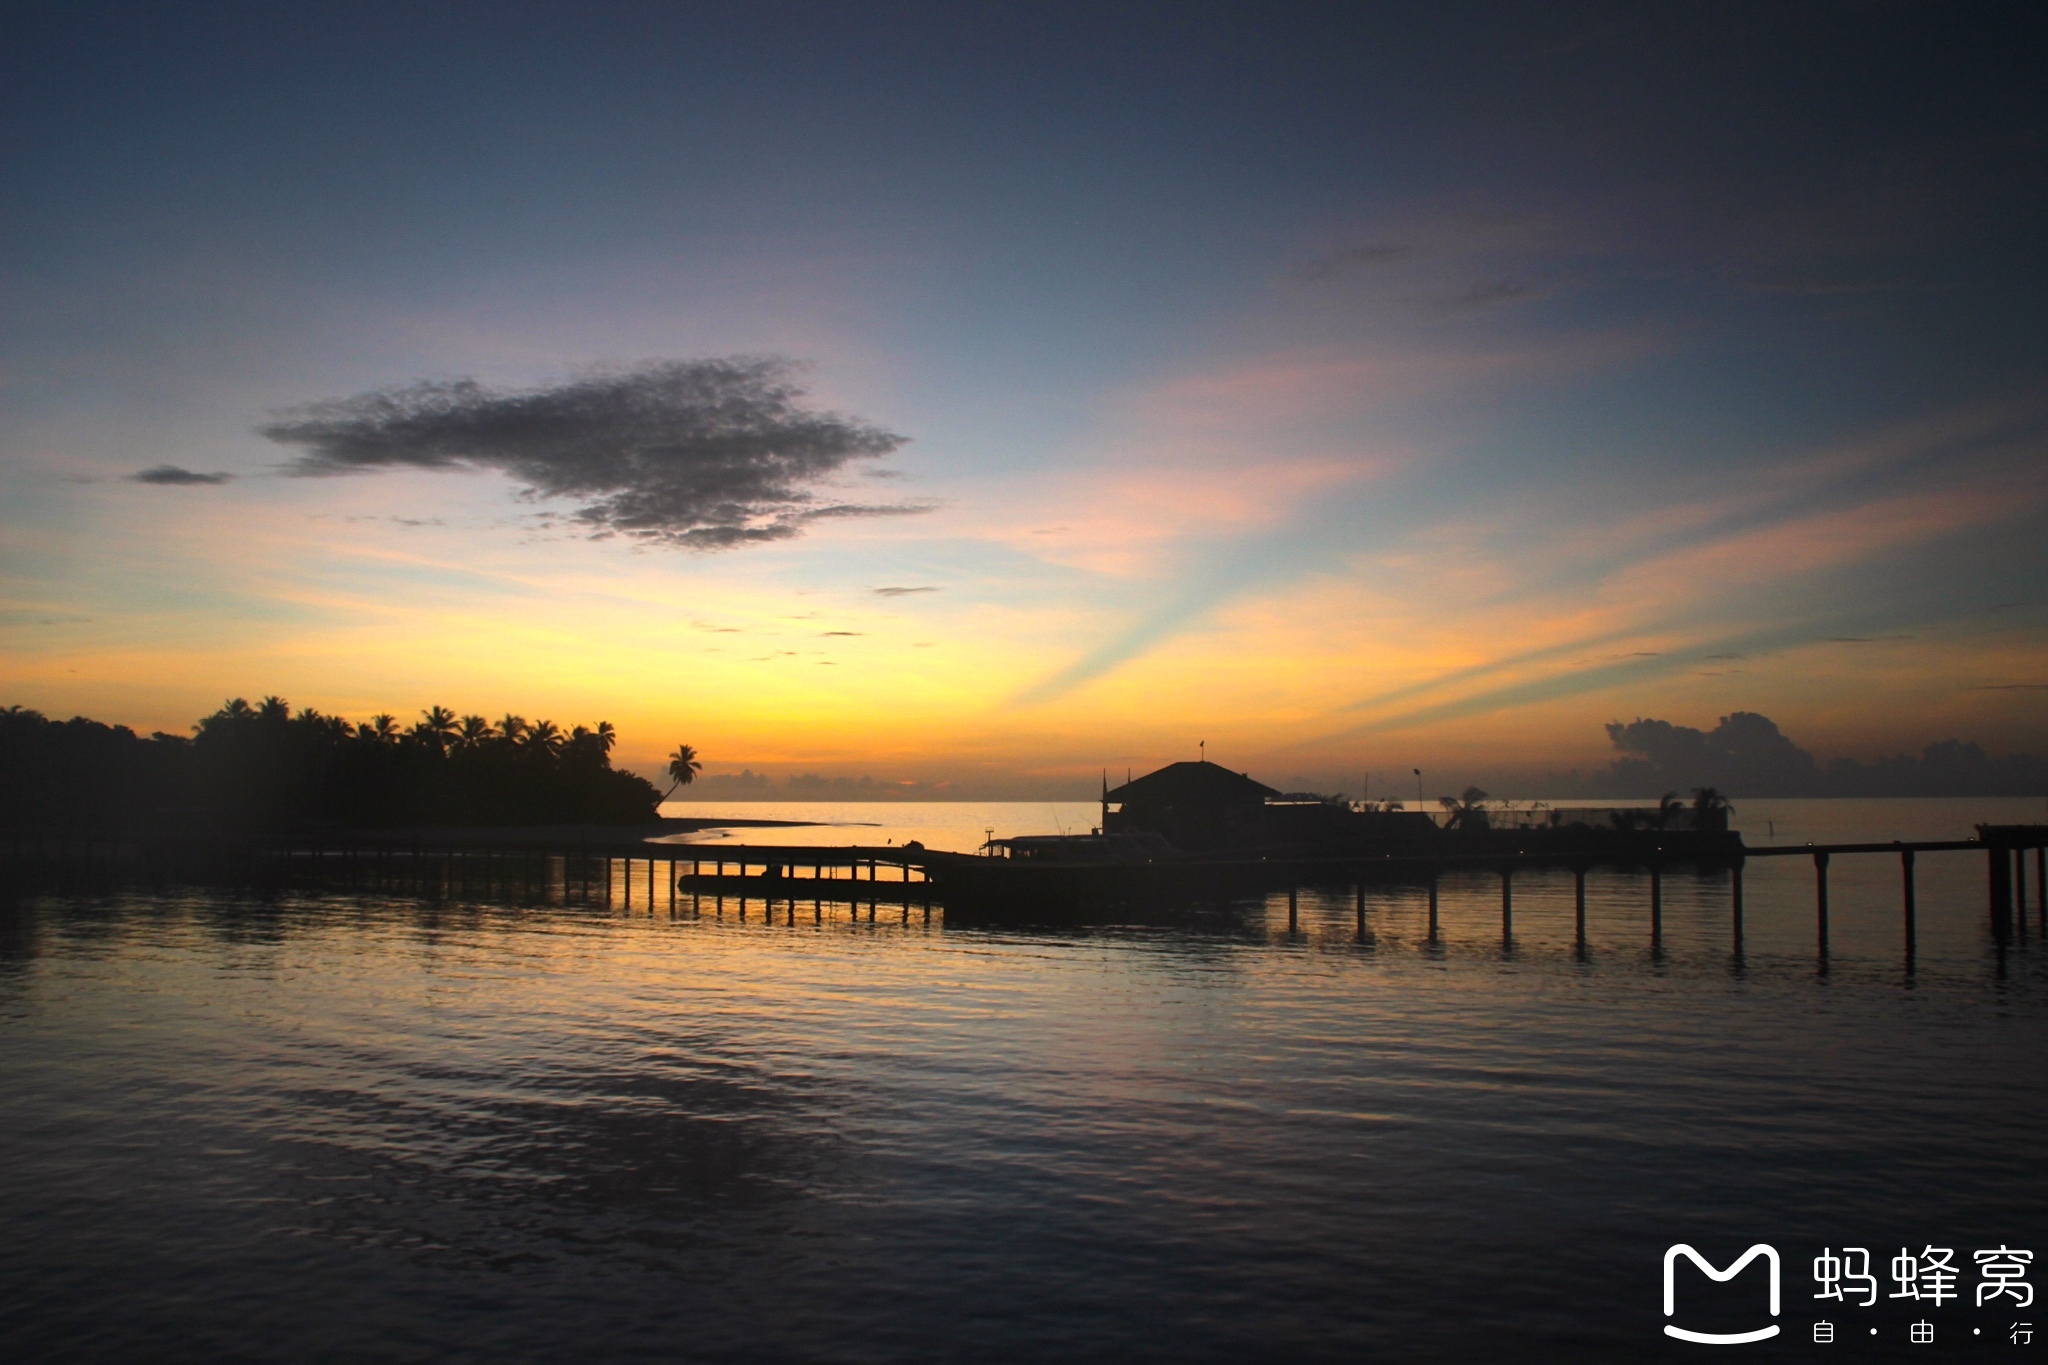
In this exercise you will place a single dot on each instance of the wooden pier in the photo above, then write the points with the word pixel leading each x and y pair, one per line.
pixel 716 878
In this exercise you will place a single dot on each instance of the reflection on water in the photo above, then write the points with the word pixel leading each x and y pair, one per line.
pixel 961 826
pixel 331 1126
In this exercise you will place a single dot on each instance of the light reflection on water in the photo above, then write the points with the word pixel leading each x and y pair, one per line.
pixel 331 1126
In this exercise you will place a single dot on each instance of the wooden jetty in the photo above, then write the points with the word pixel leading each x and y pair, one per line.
pixel 696 878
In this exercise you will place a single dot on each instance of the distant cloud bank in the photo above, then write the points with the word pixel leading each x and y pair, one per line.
pixel 1747 755
pixel 697 454
pixel 170 475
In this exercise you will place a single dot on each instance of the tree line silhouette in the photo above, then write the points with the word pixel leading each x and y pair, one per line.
pixel 268 766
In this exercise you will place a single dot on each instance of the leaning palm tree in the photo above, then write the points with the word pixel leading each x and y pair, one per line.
pixel 683 767
pixel 606 736
pixel 1464 810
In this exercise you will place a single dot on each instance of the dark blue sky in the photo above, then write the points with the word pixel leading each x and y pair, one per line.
pixel 1269 307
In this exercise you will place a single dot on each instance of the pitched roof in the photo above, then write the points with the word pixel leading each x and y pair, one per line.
pixel 1192 784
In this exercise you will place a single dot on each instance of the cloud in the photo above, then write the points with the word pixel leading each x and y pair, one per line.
pixel 899 592
pixel 13 616
pixel 698 454
pixel 170 475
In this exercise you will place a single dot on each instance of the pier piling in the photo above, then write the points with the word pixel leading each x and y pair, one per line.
pixel 1911 905
pixel 2019 888
pixel 1735 904
pixel 2000 860
pixel 1656 905
pixel 1820 899
pixel 1579 905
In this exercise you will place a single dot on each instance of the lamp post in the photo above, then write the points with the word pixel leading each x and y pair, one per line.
pixel 1418 787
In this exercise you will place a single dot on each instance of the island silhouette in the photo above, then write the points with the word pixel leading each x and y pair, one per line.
pixel 267 767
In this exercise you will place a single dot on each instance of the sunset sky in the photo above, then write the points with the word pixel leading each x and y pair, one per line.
pixel 1354 388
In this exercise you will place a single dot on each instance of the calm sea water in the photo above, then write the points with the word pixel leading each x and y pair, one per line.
pixel 328 1127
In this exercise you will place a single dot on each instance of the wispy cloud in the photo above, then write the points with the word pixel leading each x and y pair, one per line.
pixel 698 454
pixel 899 592
pixel 1351 257
pixel 174 476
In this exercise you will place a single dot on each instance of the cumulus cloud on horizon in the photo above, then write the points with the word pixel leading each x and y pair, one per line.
pixel 697 454
pixel 173 476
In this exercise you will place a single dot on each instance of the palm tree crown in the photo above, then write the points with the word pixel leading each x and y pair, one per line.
pixel 683 767
pixel 1710 809
pixel 435 729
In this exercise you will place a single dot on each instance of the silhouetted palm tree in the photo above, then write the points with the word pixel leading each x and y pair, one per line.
pixel 475 730
pixel 1464 808
pixel 1710 810
pixel 274 710
pixel 545 736
pixel 1667 806
pixel 683 767
pixel 606 736
pixel 511 728
pixel 382 727
pixel 435 729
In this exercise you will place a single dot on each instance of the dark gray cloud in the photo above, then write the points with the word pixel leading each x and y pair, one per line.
pixel 173 476
pixel 700 454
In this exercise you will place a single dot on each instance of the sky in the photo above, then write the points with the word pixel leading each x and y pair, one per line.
pixel 978 397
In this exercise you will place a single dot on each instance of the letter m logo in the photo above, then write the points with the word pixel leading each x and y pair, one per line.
pixel 1671 1255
